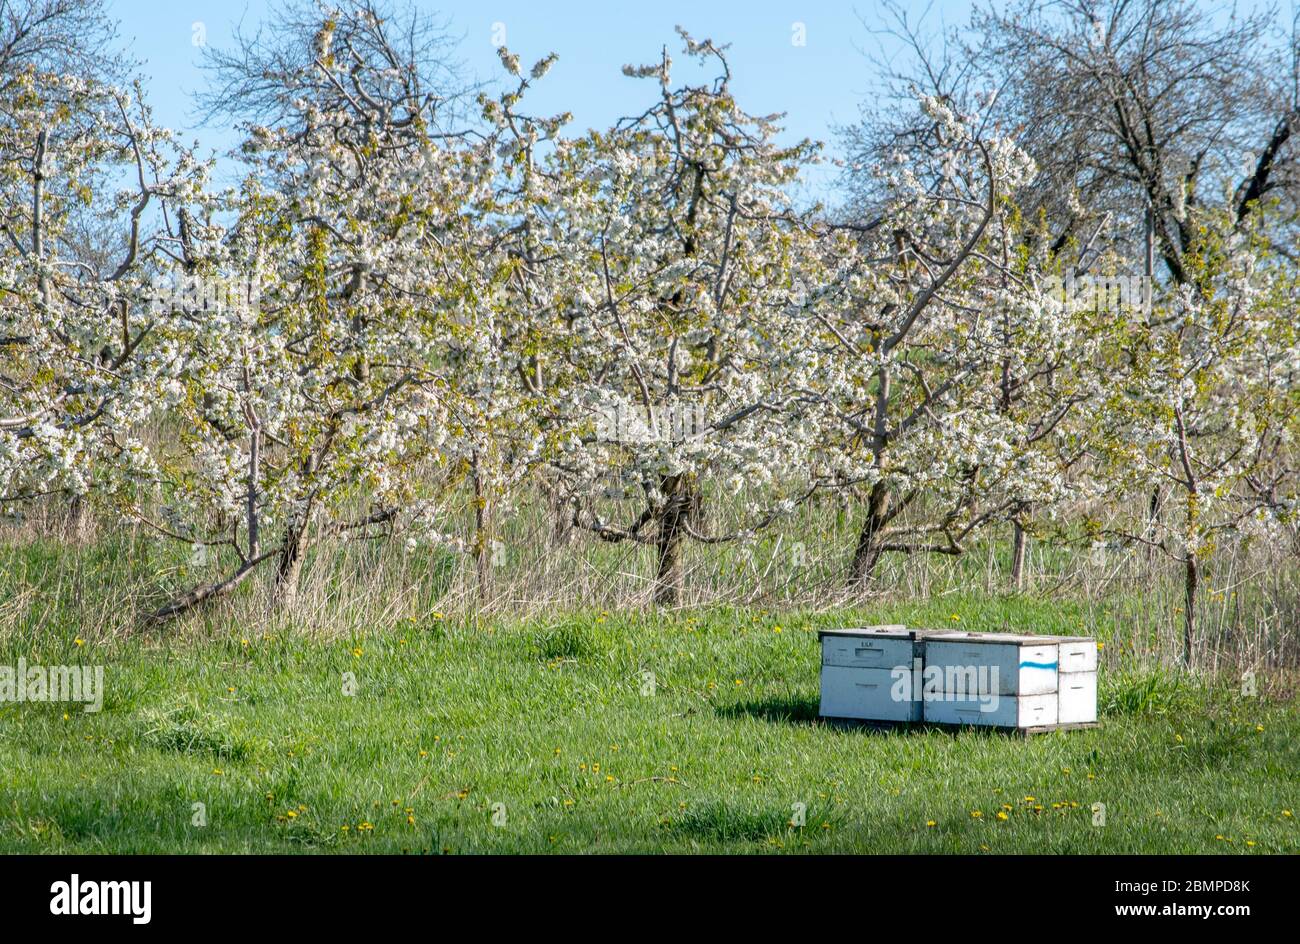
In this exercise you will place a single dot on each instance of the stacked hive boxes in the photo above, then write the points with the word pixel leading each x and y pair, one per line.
pixel 858 673
pixel 891 673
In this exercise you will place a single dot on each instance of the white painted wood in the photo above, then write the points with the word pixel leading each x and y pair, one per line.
pixel 1041 681
pixel 880 629
pixel 877 651
pixel 1077 697
pixel 1006 711
pixel 968 659
pixel 1077 655
pixel 864 693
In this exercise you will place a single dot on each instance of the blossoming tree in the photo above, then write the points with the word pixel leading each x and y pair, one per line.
pixel 680 336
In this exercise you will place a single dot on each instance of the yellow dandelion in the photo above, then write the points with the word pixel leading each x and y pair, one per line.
pixel 930 824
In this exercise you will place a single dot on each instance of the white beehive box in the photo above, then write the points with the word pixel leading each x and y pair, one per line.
pixel 857 674
pixel 1025 665
pixel 991 679
pixel 1077 699
pixel 1004 711
pixel 1077 684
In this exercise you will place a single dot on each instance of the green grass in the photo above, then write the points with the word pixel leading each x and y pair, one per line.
pixel 548 737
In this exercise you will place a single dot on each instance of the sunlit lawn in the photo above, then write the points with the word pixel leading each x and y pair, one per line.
pixel 552 737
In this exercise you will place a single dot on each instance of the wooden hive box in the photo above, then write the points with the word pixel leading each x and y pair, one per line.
pixel 1006 680
pixel 857 673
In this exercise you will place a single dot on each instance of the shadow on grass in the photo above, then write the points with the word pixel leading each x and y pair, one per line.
pixel 802 710
pixel 788 709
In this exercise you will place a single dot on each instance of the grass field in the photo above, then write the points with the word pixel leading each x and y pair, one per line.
pixel 545 736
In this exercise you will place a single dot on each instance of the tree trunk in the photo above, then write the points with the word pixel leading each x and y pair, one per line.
pixel 209 591
pixel 562 519
pixel 289 568
pixel 1153 519
pixel 76 521
pixel 1018 556
pixel 668 576
pixel 482 532
pixel 867 554
pixel 1190 581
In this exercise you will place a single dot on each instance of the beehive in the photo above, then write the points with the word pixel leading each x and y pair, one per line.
pixel 895 674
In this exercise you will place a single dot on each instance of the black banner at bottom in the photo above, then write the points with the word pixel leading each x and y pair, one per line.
pixel 134 895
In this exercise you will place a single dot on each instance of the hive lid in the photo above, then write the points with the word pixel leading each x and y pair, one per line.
pixel 883 631
pixel 1024 639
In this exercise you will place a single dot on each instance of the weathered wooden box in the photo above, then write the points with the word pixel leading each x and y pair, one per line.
pixel 895 674
pixel 859 671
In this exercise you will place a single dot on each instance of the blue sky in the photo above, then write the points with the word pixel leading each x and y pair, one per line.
pixel 818 84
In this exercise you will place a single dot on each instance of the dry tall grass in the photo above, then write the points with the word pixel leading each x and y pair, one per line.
pixel 98 578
